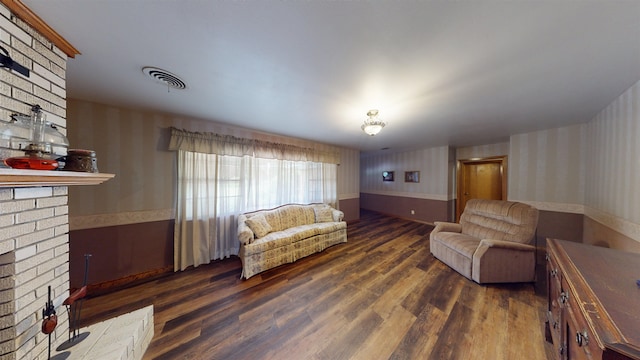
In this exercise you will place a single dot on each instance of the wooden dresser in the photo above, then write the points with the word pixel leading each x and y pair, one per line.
pixel 593 301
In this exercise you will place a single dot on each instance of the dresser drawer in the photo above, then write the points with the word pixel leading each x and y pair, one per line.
pixel 598 317
pixel 554 310
pixel 580 340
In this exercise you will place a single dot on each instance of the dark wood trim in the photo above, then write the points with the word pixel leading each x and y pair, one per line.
pixel 127 281
pixel 25 14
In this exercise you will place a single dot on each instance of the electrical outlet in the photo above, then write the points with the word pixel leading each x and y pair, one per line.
pixel 413 212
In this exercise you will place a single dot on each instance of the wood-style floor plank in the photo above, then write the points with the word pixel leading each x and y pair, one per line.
pixel 382 295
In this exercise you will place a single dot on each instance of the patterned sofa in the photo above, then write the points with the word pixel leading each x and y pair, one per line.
pixel 491 244
pixel 269 238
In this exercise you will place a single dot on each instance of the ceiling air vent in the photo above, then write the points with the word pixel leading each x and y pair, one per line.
pixel 164 77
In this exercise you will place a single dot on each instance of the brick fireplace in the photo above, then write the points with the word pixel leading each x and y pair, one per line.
pixel 34 241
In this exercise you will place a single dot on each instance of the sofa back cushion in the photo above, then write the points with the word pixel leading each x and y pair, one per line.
pixel 288 216
pixel 259 225
pixel 323 214
pixel 499 220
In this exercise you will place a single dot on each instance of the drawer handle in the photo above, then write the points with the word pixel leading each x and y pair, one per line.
pixel 564 297
pixel 582 338
pixel 554 272
pixel 555 324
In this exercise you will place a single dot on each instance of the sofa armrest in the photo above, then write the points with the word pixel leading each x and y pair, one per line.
pixel 443 226
pixel 337 215
pixel 245 234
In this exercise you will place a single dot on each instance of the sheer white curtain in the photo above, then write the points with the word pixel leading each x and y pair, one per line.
pixel 195 215
pixel 213 189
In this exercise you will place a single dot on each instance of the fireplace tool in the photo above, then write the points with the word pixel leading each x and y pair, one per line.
pixel 49 319
pixel 74 306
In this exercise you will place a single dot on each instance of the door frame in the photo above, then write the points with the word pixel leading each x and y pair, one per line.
pixel 501 160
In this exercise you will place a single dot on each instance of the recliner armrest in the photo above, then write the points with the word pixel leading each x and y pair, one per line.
pixel 443 226
pixel 497 261
pixel 492 243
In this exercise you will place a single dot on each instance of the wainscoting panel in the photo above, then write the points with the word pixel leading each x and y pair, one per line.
pixel 596 233
pixel 351 208
pixel 426 210
pixel 120 251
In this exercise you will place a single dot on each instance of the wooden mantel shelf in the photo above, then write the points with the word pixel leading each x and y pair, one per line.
pixel 28 178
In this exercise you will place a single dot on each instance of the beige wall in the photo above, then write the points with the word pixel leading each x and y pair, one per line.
pixel 561 171
pixel 349 183
pixel 427 200
pixel 613 155
pixel 591 169
pixel 433 164
pixel 482 151
pixel 547 168
pixel 132 144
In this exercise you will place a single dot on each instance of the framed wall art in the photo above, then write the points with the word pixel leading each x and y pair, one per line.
pixel 412 176
pixel 387 176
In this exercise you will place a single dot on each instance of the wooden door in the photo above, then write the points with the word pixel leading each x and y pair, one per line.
pixel 481 179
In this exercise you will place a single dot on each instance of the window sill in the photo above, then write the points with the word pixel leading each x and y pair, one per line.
pixel 28 178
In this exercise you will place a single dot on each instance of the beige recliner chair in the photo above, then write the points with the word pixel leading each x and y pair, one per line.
pixel 492 242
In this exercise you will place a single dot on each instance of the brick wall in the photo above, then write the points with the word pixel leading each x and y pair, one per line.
pixel 34 248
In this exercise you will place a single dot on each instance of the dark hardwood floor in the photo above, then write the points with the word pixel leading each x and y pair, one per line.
pixel 382 295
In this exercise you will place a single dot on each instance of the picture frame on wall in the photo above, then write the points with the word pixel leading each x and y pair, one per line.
pixel 387 176
pixel 412 176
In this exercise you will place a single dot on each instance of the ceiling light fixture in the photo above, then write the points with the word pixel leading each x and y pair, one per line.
pixel 372 125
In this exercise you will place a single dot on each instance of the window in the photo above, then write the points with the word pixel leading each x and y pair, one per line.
pixel 221 176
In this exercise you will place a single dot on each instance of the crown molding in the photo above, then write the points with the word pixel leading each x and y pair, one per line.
pixel 25 14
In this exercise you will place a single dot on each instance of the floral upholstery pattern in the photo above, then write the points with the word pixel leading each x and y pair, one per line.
pixel 323 214
pixel 296 232
pixel 259 225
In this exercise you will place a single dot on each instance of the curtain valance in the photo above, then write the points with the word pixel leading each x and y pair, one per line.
pixel 211 143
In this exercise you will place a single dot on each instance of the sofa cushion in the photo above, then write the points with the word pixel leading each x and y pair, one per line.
pixel 329 227
pixel 295 215
pixel 259 225
pixel 301 232
pixel 271 241
pixel 323 214
pixel 462 244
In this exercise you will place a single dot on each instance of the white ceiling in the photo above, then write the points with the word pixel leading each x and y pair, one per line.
pixel 440 72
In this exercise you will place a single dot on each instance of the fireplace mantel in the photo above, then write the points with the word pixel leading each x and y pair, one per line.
pixel 30 178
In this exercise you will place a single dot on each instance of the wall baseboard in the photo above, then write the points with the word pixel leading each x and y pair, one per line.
pixel 127 281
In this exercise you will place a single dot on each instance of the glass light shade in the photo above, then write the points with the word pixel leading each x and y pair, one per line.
pixel 372 125
pixel 40 140
pixel 33 134
pixel 371 129
pixel 15 134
